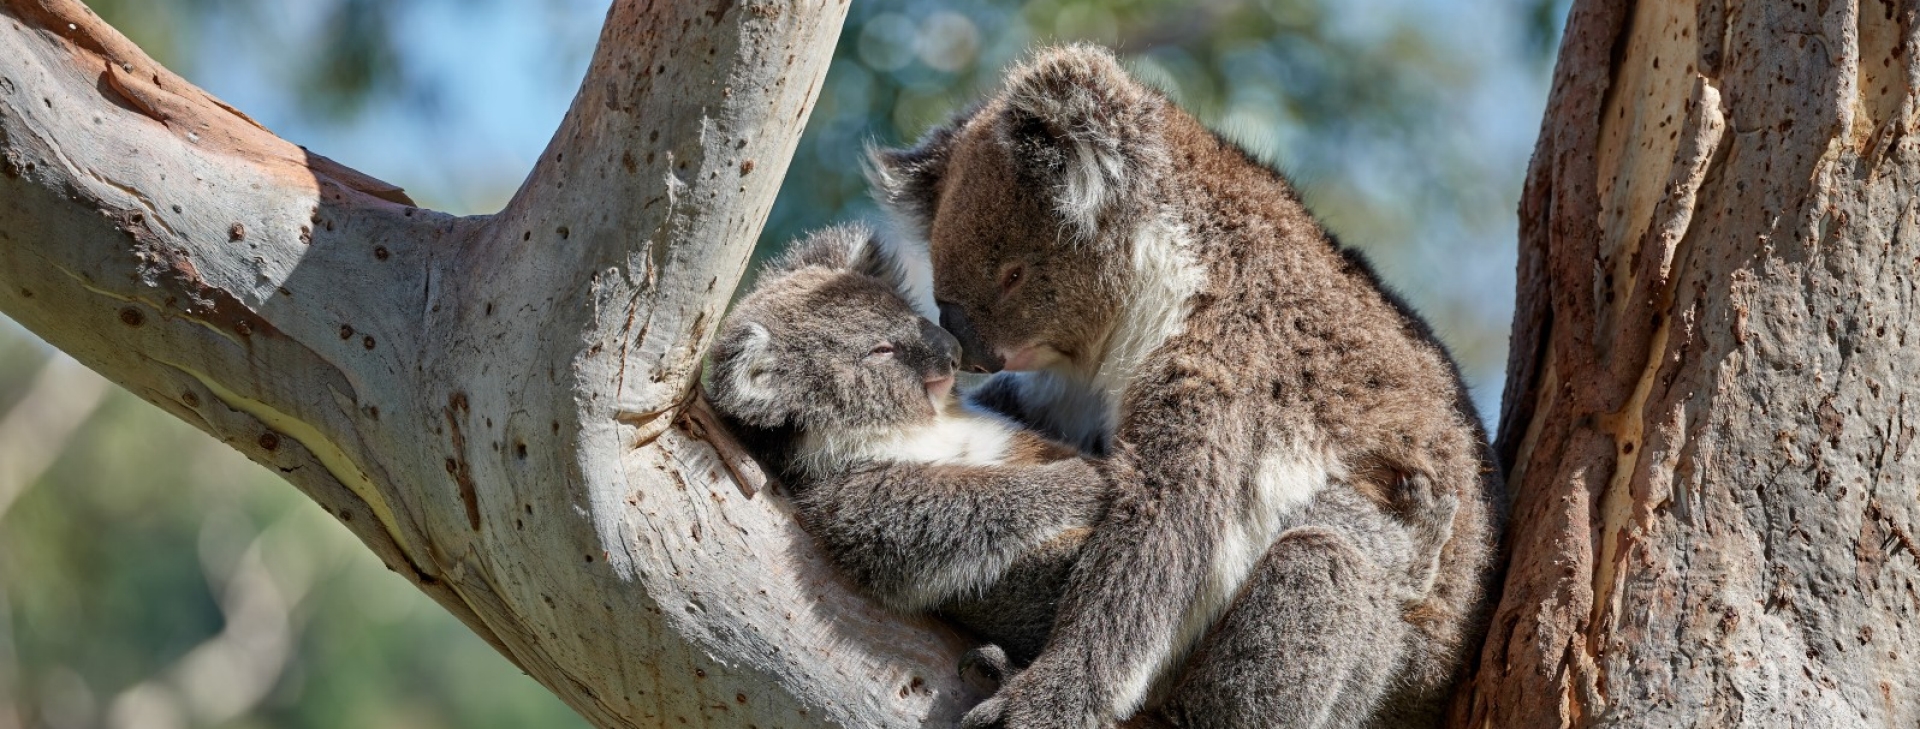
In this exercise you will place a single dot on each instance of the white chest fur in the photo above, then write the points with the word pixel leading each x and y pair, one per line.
pixel 958 437
pixel 1286 478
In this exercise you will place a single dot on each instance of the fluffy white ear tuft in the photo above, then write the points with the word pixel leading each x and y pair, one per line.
pixel 906 182
pixel 752 365
pixel 891 176
pixel 1091 129
pixel 834 247
pixel 902 262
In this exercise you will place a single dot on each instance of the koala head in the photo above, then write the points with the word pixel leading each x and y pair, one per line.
pixel 828 339
pixel 1028 203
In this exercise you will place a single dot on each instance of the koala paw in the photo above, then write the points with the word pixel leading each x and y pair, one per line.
pixel 1423 499
pixel 1038 698
pixel 989 714
pixel 985 668
pixel 1427 507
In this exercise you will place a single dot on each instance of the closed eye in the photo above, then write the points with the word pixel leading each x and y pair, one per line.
pixel 882 350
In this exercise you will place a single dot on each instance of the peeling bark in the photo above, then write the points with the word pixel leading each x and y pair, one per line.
pixel 1708 414
pixel 495 405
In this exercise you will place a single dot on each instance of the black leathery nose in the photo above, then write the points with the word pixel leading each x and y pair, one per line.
pixel 974 356
pixel 946 348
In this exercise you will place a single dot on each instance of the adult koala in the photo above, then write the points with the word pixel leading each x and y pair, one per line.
pixel 1158 295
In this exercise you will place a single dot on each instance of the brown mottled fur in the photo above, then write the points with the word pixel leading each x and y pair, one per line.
pixel 987 535
pixel 1059 214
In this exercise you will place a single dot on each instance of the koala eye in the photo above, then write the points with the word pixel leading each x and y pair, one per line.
pixel 1010 277
pixel 883 349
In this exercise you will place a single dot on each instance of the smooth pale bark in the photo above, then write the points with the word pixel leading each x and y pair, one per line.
pixel 499 405
pixel 1712 394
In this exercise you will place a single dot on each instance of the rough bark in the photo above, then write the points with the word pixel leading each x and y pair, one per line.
pixel 1710 408
pixel 496 405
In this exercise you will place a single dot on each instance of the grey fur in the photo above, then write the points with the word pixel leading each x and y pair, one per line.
pixel 1086 226
pixel 901 528
pixel 896 525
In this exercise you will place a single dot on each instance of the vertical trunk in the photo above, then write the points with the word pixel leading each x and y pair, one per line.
pixel 1712 391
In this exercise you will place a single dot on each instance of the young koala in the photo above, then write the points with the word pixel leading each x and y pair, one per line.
pixel 1157 294
pixel 832 377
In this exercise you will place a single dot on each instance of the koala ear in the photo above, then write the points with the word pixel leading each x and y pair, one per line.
pixel 1090 131
pixel 902 263
pixel 835 247
pixel 906 182
pixel 743 372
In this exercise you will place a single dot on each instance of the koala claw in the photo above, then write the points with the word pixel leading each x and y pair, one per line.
pixel 985 668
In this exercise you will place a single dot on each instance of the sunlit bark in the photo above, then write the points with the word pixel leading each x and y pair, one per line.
pixel 1710 399
pixel 498 406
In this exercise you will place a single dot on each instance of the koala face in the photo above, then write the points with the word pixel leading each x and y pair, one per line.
pixel 1011 275
pixel 1027 205
pixel 827 341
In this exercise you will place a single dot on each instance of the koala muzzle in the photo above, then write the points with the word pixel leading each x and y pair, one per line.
pixel 943 350
pixel 974 354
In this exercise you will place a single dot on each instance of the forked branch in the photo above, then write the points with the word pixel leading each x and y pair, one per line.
pixel 493 404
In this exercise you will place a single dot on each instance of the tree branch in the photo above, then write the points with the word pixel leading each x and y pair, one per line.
pixel 492 404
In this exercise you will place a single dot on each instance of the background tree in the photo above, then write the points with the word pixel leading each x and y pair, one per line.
pixel 1708 416
pixel 1404 117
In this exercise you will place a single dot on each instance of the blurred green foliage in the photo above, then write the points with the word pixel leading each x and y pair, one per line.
pixel 151 577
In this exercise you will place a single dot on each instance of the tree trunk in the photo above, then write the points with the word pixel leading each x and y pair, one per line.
pixel 498 406
pixel 1709 410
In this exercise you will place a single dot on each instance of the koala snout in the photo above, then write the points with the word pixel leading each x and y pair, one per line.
pixel 943 357
pixel 975 356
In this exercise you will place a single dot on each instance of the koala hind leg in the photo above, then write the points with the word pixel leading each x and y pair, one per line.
pixel 1313 640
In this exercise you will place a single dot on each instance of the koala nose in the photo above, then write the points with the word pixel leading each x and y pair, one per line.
pixel 974 354
pixel 946 349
